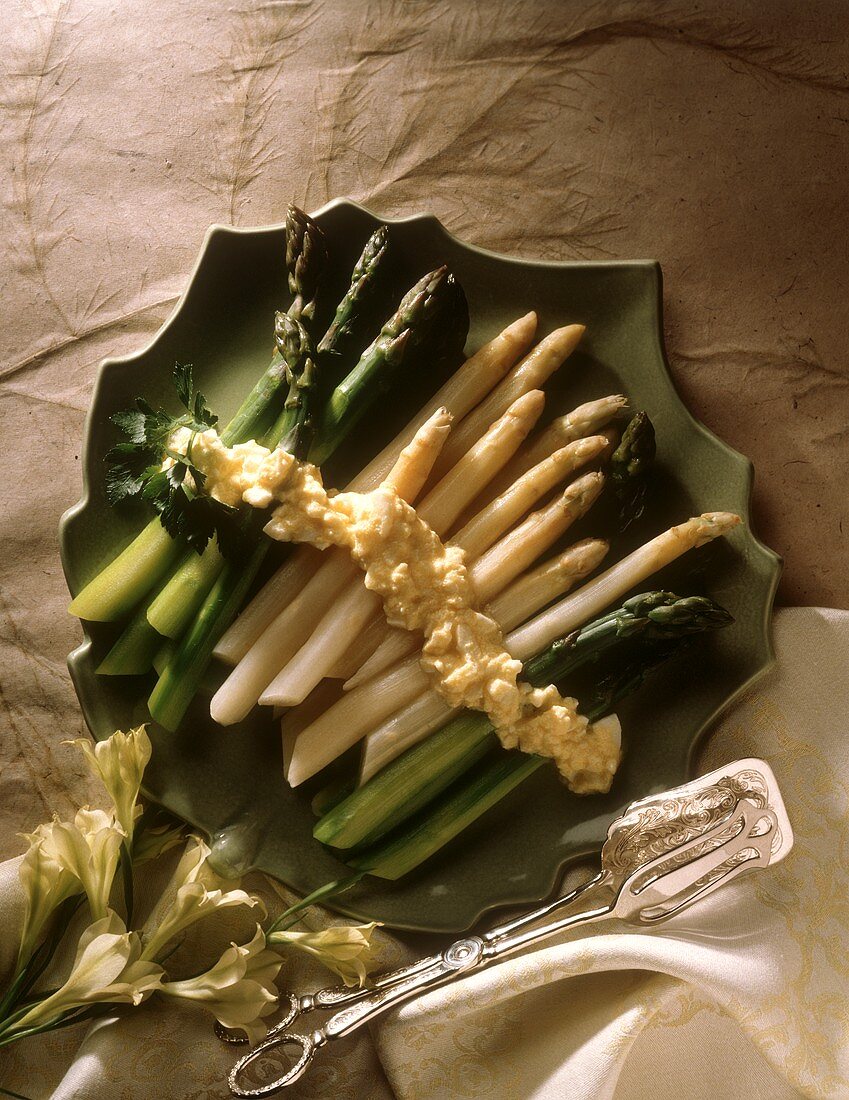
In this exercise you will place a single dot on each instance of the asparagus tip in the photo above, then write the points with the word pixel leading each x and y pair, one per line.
pixel 719 523
pixel 583 489
pixel 524 327
pixel 529 404
pixel 587 553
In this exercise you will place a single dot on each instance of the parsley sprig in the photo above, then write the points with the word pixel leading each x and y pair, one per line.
pixel 135 470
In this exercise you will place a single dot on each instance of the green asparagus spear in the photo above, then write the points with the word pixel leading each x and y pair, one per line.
pixel 629 467
pixel 306 256
pixel 306 259
pixel 426 769
pixel 172 609
pixel 146 561
pixel 466 801
pixel 651 616
pixel 181 677
pixel 378 364
pixel 364 279
pixel 297 424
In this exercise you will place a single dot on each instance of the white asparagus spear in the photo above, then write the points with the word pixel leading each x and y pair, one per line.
pixel 476 538
pixel 359 617
pixel 586 419
pixel 328 642
pixel 539 587
pixel 409 725
pixel 281 640
pixel 593 598
pixel 468 386
pixel 330 734
pixel 532 373
pixel 371 637
pixel 293 721
pixel 340 626
pixel 278 591
pixel 491 522
pixel 430 712
pixel 362 708
pixel 511 555
pixel 485 458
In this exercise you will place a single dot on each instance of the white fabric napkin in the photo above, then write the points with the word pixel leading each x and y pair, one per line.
pixel 743 996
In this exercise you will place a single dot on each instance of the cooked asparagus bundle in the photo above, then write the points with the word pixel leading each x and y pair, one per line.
pixel 177 686
pixel 631 633
pixel 119 586
pixel 460 394
pixel 457 489
pixel 425 710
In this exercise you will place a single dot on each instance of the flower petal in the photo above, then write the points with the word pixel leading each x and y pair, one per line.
pixel 89 850
pixel 46 884
pixel 345 949
pixel 119 762
pixel 198 893
pixel 239 989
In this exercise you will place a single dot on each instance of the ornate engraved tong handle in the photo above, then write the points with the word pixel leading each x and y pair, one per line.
pixel 339 995
pixel 663 854
pixel 361 1006
pixel 392 988
pixel 460 956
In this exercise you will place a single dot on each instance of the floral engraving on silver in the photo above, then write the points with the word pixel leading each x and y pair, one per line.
pixel 662 855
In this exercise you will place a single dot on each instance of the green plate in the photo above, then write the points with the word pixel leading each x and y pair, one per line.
pixel 229 781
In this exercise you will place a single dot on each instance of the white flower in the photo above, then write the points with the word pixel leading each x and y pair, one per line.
pixel 107 968
pixel 239 989
pixel 199 892
pixel 119 762
pixel 345 949
pixel 46 882
pixel 154 840
pixel 89 850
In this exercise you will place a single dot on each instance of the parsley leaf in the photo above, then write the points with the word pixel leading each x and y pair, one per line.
pixel 134 470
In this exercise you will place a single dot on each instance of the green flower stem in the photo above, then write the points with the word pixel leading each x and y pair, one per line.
pixel 126 861
pixel 329 890
pixel 41 958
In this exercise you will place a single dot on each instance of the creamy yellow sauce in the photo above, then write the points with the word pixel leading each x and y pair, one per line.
pixel 424 586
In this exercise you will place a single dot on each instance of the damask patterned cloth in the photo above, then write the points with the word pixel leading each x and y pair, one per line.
pixel 742 996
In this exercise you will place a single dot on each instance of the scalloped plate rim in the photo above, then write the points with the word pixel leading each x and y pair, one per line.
pixel 743 464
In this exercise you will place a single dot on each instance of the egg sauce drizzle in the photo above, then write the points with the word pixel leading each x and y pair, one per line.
pixel 424 586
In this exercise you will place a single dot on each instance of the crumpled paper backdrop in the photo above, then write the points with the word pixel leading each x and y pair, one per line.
pixel 714 140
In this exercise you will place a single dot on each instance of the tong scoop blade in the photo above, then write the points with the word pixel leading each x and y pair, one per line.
pixel 670 850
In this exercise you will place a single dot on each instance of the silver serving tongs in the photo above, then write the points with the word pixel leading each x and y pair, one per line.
pixel 665 853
